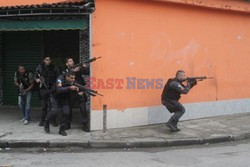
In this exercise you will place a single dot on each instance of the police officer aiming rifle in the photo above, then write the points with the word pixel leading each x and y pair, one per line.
pixel 60 100
pixel 172 93
pixel 75 98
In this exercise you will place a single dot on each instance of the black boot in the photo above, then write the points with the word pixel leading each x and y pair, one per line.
pixel 46 127
pixel 62 131
pixel 175 125
pixel 41 122
pixel 85 128
pixel 171 125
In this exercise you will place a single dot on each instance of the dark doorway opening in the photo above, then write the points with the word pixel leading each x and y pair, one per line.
pixel 60 45
pixel 28 48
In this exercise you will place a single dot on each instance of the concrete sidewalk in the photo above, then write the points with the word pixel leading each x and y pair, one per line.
pixel 14 134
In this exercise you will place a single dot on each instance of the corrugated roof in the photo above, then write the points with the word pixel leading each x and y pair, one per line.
pixel 13 4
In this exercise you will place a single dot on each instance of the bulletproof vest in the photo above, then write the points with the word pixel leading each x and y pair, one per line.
pixel 24 79
pixel 170 93
pixel 49 73
pixel 63 96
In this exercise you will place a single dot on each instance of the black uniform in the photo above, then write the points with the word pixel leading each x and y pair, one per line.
pixel 50 73
pixel 76 98
pixel 60 100
pixel 170 98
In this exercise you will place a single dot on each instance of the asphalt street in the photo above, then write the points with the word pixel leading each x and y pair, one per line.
pixel 230 154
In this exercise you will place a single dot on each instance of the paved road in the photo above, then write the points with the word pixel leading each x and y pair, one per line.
pixel 233 154
pixel 207 130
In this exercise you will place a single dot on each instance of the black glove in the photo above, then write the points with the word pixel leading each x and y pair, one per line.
pixel 193 82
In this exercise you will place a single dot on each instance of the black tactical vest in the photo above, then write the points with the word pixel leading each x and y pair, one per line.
pixel 63 97
pixel 24 79
pixel 170 93
pixel 49 73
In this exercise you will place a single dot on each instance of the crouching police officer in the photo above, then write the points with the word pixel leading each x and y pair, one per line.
pixel 60 102
pixel 171 95
pixel 76 98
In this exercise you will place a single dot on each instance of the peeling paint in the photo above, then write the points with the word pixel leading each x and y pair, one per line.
pixel 239 37
pixel 131 63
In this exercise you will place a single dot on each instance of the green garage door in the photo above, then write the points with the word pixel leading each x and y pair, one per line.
pixel 20 48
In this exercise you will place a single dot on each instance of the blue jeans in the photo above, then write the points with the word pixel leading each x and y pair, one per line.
pixel 24 105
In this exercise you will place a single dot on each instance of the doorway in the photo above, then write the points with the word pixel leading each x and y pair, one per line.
pixel 28 48
pixel 60 45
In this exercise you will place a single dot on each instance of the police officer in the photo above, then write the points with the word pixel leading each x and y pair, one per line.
pixel 49 72
pixel 171 95
pixel 81 99
pixel 60 101
pixel 24 81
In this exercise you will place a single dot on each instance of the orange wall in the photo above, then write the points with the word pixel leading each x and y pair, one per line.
pixel 147 39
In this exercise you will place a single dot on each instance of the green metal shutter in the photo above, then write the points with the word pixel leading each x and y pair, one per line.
pixel 20 48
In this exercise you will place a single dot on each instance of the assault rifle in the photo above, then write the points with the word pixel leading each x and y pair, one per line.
pixel 86 62
pixel 22 90
pixel 90 92
pixel 200 78
pixel 43 83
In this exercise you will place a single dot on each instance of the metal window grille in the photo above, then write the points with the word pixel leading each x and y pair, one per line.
pixel 1 69
pixel 85 54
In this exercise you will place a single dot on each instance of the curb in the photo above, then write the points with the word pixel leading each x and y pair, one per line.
pixel 27 144
pixel 124 144
pixel 218 139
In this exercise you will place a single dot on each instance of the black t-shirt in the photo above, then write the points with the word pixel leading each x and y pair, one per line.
pixel 49 73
